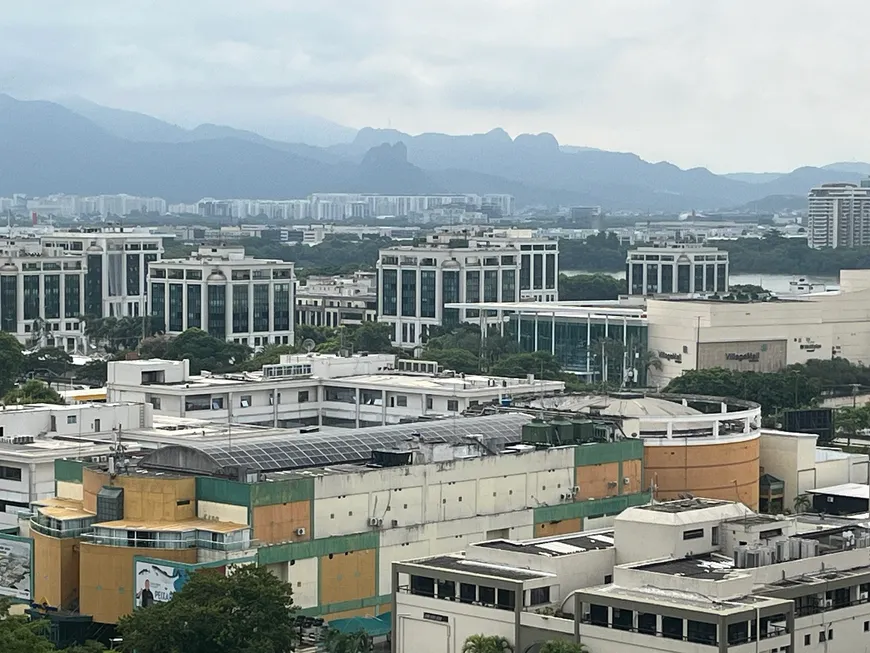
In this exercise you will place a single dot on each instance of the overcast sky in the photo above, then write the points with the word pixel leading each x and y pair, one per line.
pixel 728 84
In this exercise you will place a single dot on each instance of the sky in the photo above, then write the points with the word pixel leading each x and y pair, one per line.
pixel 732 85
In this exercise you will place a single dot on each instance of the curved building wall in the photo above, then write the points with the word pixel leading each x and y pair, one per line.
pixel 713 469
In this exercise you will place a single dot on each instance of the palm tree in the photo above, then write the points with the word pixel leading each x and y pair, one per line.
pixel 647 360
pixel 487 644
pixel 802 503
pixel 562 646
pixel 605 350
pixel 338 642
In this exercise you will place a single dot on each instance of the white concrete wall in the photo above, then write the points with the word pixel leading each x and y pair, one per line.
pixel 415 635
pixel 303 576
pixel 789 457
pixel 68 490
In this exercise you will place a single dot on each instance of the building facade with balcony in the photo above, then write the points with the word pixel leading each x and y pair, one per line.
pixel 337 301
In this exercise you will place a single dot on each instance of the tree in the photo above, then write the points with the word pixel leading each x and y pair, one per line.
pixel 802 503
pixel 775 391
pixel 93 372
pixel 486 644
pixel 374 337
pixel 19 635
pixel 250 611
pixel 337 642
pixel 268 355
pixel 32 391
pixel 542 364
pixel 590 287
pixel 458 360
pixel 154 347
pixel 89 646
pixel 50 362
pixel 205 352
pixel 562 646
pixel 11 361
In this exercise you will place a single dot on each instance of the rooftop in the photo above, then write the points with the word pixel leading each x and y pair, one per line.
pixel 626 405
pixel 846 490
pixel 557 546
pixel 685 505
pixel 272 450
pixel 684 599
pixel 711 566
pixel 175 526
pixel 458 562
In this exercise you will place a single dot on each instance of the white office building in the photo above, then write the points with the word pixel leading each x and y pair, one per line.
pixel 839 215
pixel 676 268
pixel 336 301
pixel 232 297
pixel 315 389
pixel 686 576
pixel 417 281
pixel 48 280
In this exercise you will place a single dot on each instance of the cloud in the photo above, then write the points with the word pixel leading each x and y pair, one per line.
pixel 729 84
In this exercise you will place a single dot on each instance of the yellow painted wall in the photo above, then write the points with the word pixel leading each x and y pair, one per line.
pixel 595 481
pixel 562 527
pixel 279 522
pixel 70 490
pixel 347 576
pixel 146 498
pixel 55 570
pixel 727 471
pixel 107 584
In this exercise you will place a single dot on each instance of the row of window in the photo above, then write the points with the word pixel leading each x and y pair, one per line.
pixel 211 402
pixel 235 275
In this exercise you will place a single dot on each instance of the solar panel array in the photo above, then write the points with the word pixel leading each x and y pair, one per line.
pixel 338 445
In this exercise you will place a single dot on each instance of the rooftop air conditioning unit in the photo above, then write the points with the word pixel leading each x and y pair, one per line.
pixel 864 596
pixel 300 531
pixel 374 521
pixel 826 603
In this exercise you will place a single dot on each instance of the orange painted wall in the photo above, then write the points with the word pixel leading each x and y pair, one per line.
pixel 107 588
pixel 727 471
pixel 594 481
pixel 146 498
pixel 348 576
pixel 279 522
pixel 562 527
pixel 55 570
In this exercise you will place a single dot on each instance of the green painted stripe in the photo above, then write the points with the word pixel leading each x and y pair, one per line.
pixel 271 493
pixel 68 471
pixel 590 508
pixel 221 490
pixel 608 452
pixel 267 555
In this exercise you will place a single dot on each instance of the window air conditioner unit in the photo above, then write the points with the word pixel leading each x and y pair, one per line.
pixel 626 481
pixel 300 531
pixel 374 521
pixel 864 596
pixel 827 603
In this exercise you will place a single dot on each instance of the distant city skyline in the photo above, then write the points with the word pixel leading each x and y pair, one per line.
pixel 728 85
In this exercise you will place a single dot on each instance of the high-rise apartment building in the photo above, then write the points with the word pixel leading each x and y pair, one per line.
pixel 232 297
pixel 839 215
pixel 417 282
pixel 47 282
pixel 676 268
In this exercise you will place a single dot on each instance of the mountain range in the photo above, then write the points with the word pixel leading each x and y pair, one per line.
pixel 83 148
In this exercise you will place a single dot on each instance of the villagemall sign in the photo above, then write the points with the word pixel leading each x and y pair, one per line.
pixel 749 357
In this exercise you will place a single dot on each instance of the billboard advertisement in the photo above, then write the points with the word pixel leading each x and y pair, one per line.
pixel 156 582
pixel 744 355
pixel 16 567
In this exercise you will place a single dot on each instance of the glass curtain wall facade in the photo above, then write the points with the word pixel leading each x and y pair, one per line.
pixel 592 347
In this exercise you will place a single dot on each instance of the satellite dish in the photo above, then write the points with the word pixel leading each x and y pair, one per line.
pixel 308 345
